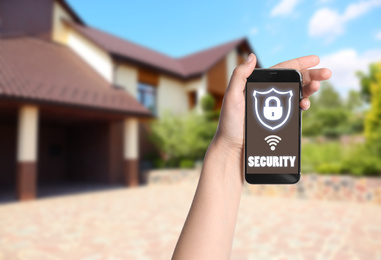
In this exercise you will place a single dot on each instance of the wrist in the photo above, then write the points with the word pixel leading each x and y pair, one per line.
pixel 224 162
pixel 227 146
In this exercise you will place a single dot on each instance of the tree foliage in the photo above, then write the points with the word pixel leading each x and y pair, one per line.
pixel 372 85
pixel 366 158
pixel 183 139
pixel 367 80
pixel 331 116
pixel 183 136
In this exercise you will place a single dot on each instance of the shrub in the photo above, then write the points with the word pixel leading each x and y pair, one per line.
pixel 329 168
pixel 172 163
pixel 159 163
pixel 315 154
pixel 186 164
pixel 184 136
pixel 212 115
pixel 207 103
pixel 334 158
pixel 361 160
pixel 151 156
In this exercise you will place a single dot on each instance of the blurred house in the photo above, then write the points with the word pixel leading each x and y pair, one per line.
pixel 75 100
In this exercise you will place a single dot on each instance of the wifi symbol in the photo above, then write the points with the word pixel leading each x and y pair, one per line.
pixel 273 140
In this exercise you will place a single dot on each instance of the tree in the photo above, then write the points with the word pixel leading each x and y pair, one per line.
pixel 328 97
pixel 354 104
pixel 333 122
pixel 327 115
pixel 367 160
pixel 371 84
pixel 354 101
pixel 330 115
pixel 367 80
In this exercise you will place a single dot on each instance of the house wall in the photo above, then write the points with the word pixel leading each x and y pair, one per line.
pixel 97 58
pixel 127 77
pixel 243 52
pixel 231 63
pixel 60 30
pixel 172 93
pixel 241 58
pixel 171 96
pixel 94 55
pixel 148 76
pixel 199 86
pixel 217 77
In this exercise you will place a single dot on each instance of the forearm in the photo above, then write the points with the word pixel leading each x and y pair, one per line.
pixel 209 229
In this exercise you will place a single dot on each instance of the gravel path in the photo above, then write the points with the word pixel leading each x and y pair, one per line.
pixel 144 223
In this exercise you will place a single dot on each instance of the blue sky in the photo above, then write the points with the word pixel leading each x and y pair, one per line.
pixel 345 34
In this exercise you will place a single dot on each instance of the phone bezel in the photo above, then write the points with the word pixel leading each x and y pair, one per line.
pixel 274 75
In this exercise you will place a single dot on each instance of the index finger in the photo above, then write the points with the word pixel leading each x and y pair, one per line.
pixel 301 63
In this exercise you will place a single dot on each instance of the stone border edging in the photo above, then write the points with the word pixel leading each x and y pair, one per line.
pixel 311 186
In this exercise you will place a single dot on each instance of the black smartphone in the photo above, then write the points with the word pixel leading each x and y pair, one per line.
pixel 273 126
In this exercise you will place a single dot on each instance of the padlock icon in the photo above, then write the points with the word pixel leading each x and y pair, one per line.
pixel 274 112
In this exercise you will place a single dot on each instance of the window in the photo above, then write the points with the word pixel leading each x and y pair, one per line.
pixel 147 96
pixel 192 99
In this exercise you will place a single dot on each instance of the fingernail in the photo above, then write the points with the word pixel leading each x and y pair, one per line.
pixel 306 104
pixel 249 58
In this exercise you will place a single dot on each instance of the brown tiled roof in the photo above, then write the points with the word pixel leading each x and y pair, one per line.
pixel 192 65
pixel 129 50
pixel 202 61
pixel 38 70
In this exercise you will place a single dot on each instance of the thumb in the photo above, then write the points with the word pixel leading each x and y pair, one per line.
pixel 240 74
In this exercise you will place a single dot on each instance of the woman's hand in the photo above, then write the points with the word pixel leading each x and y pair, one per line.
pixel 230 130
pixel 209 229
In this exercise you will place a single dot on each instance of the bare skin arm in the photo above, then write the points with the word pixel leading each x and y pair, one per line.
pixel 209 228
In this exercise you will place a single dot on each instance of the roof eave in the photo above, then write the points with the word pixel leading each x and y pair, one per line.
pixel 37 101
pixel 71 11
pixel 121 58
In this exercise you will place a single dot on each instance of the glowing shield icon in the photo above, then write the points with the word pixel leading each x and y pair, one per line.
pixel 272 115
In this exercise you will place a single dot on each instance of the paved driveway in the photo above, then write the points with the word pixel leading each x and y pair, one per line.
pixel 144 223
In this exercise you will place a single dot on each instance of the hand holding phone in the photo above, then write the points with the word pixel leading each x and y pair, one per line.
pixel 273 126
pixel 222 169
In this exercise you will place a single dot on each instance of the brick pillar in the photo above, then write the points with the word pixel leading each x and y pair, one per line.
pixel 131 151
pixel 27 153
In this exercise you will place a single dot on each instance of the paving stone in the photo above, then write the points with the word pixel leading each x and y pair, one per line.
pixel 145 222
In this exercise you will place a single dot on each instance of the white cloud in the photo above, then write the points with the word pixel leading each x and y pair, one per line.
pixel 344 65
pixel 284 8
pixel 329 23
pixel 378 36
pixel 357 9
pixel 254 31
pixel 326 22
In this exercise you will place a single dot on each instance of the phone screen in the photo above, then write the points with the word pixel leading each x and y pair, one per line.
pixel 272 128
